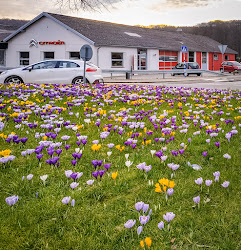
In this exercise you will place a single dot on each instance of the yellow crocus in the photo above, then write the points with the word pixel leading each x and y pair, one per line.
pixel 142 243
pixel 148 241
pixel 114 175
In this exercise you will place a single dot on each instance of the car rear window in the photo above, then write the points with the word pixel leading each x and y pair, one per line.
pixel 66 64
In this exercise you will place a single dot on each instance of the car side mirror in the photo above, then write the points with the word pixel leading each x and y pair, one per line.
pixel 30 69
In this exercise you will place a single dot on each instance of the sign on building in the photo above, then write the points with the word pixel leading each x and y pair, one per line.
pixel 184 49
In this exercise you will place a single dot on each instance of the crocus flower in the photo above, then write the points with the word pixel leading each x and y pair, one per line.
pixel 11 200
pixel 217 144
pixel 216 175
pixel 73 203
pixel 95 174
pixel 205 153
pixel 66 200
pixel 74 162
pixel 139 205
pixel 139 230
pixel 39 156
pixel 170 191
pixel 101 173
pixel 196 199
pixel 227 156
pixel 94 163
pixel 114 175
pixel 161 225
pixel 68 173
pixel 208 182
pixel 169 216
pixel 147 168
pixel 130 223
pixel 145 208
pixel 144 219
pixel 107 166
pixel 90 182
pixel 225 184
pixel 44 177
pixel 199 181
pixel 74 185
pixel 29 177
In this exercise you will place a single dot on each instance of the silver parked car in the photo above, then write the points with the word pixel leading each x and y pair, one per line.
pixel 54 71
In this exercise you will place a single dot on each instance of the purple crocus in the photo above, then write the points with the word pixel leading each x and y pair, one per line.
pixel 95 174
pixel 208 182
pixel 139 205
pixel 216 175
pixel 101 173
pixel 11 200
pixel 169 216
pixel 196 199
pixel 161 225
pixel 130 223
pixel 94 163
pixel 170 191
pixel 205 153
pixel 139 230
pixel 199 181
pixel 24 139
pixel 39 156
pixel 145 208
pixel 217 144
pixel 225 184
pixel 74 162
pixel 107 166
pixel 74 185
pixel 144 219
pixel 73 203
pixel 67 147
pixel 66 200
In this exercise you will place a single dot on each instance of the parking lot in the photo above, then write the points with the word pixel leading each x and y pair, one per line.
pixel 210 81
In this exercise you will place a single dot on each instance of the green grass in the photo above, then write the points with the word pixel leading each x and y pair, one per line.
pixel 97 219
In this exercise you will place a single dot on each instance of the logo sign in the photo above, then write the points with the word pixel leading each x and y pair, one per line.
pixel 222 48
pixel 184 49
pixel 52 43
pixel 34 43
pixel 86 52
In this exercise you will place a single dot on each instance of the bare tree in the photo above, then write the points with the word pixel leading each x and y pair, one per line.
pixel 92 5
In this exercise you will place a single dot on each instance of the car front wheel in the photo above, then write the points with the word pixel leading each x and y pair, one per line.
pixel 79 80
pixel 14 80
pixel 221 70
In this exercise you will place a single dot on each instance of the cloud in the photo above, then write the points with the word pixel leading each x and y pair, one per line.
pixel 181 4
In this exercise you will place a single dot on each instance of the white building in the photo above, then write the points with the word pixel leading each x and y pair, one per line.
pixel 115 46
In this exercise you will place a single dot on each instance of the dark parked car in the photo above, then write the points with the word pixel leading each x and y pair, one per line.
pixel 230 66
pixel 188 65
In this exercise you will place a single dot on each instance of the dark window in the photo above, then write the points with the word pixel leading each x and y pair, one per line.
pixel 226 57
pixel 117 59
pixel 2 57
pixel 215 57
pixel 24 58
pixel 74 55
pixel 163 58
pixel 191 56
pixel 48 55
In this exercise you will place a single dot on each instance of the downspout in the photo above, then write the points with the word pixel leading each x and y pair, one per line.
pixel 98 56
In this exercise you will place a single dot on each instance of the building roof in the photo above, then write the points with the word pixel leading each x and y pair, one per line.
pixel 99 33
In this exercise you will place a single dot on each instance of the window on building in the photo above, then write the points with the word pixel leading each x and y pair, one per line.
pixel 191 56
pixel 48 55
pixel 167 56
pixel 24 58
pixel 117 59
pixel 2 57
pixel 226 58
pixel 215 57
pixel 74 55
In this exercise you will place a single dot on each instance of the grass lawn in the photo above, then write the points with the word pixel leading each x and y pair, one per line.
pixel 119 167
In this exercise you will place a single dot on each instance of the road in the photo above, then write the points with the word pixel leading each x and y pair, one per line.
pixel 226 81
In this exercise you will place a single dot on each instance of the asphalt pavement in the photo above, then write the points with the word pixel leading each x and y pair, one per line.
pixel 207 81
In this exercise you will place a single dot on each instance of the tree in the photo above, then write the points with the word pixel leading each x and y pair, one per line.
pixel 93 5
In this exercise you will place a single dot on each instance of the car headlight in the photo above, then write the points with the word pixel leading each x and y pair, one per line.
pixel 4 72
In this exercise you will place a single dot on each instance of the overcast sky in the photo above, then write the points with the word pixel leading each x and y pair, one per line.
pixel 132 12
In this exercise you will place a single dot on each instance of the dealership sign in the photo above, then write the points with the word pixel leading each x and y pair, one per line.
pixel 34 43
pixel 52 43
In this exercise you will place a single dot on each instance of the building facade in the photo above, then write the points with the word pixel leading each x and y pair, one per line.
pixel 115 46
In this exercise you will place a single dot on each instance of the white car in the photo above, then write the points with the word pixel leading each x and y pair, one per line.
pixel 54 71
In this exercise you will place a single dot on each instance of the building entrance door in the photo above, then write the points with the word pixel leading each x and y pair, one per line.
pixel 204 61
pixel 141 59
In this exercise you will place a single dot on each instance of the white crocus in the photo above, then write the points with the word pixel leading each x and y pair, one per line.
pixel 128 164
pixel 44 178
pixel 109 153
pixel 153 152
pixel 126 156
